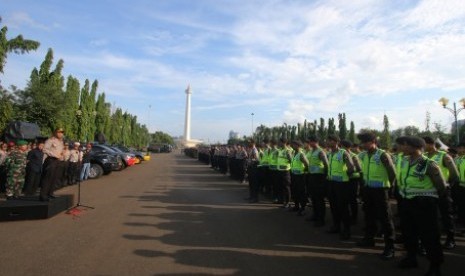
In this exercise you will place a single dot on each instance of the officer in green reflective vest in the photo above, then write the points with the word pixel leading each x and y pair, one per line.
pixel 263 167
pixel 378 177
pixel 460 189
pixel 421 184
pixel 451 175
pixel 354 180
pixel 316 182
pixel 339 171
pixel 273 172
pixel 299 168
pixel 283 172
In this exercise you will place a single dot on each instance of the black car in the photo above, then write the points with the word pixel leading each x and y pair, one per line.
pixel 139 155
pixel 99 148
pixel 102 163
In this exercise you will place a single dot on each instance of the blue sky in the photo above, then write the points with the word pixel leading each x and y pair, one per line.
pixel 284 61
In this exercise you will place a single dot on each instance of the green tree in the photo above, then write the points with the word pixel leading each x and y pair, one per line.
pixel 352 132
pixel 342 126
pixel 17 45
pixel 331 127
pixel 385 139
pixel 160 137
pixel 45 94
pixel 6 108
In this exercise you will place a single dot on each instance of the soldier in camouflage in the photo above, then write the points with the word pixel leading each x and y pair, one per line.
pixel 16 170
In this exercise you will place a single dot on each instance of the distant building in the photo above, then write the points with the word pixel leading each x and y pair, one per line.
pixel 233 135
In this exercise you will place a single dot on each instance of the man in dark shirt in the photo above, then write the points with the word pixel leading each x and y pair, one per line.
pixel 35 158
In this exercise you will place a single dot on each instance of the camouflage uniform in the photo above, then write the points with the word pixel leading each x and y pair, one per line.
pixel 16 171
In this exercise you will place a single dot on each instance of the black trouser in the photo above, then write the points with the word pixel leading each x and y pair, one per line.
pixel 32 182
pixel 317 187
pixel 276 192
pixel 2 179
pixel 264 184
pixel 284 186
pixel 298 182
pixel 73 172
pixel 50 175
pixel 445 209
pixel 354 184
pixel 376 208
pixel 460 196
pixel 254 184
pixel 420 221
pixel 339 199
pixel 241 169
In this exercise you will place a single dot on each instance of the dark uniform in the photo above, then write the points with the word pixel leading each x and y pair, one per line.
pixel 339 170
pixel 299 169
pixel 316 181
pixel 379 176
pixel 421 185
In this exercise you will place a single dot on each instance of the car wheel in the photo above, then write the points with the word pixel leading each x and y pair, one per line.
pixel 140 159
pixel 95 171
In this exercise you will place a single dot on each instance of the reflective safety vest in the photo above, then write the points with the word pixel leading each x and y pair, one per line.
pixel 315 165
pixel 297 167
pixel 283 163
pixel 460 162
pixel 337 170
pixel 273 159
pixel 438 157
pixel 414 180
pixel 264 157
pixel 375 174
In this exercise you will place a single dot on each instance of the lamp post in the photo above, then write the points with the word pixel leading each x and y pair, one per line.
pixel 455 112
pixel 252 123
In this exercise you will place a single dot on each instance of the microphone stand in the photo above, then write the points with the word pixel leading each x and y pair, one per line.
pixel 78 204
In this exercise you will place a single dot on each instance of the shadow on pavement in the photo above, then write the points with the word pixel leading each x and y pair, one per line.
pixel 207 225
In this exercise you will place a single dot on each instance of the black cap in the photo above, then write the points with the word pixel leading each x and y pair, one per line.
pixel 366 137
pixel 346 143
pixel 333 138
pixel 297 143
pixel 313 138
pixel 401 140
pixel 415 142
pixel 428 140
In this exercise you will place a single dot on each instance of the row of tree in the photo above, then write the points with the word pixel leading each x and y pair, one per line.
pixel 323 128
pixel 51 101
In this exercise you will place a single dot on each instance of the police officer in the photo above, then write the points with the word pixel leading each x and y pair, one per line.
pixel 378 177
pixel 16 170
pixel 283 169
pixel 460 189
pixel 35 158
pixel 420 187
pixel 450 173
pixel 299 168
pixel 316 181
pixel 354 180
pixel 339 170
pixel 53 150
pixel 252 171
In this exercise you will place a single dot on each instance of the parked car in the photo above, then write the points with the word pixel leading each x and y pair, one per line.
pixel 139 155
pixel 102 163
pixel 129 159
pixel 100 148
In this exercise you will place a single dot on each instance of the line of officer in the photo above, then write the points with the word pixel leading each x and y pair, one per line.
pixel 340 168
pixel 252 172
pixel 421 184
pixel 379 176
pixel 316 181
pixel 451 175
pixel 354 181
pixel 459 190
pixel 299 169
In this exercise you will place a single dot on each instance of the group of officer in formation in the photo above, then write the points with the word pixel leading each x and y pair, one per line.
pixel 424 180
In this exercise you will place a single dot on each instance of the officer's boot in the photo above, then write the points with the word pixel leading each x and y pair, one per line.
pixel 450 241
pixel 388 252
pixel 434 270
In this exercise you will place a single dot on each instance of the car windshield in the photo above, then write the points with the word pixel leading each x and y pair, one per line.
pixel 116 149
pixel 103 147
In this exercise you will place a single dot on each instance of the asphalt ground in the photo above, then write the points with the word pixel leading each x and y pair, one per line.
pixel 176 216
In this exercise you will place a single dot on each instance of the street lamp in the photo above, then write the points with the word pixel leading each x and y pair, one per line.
pixel 455 112
pixel 252 123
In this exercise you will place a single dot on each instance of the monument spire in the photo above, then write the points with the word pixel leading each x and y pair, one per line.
pixel 187 123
